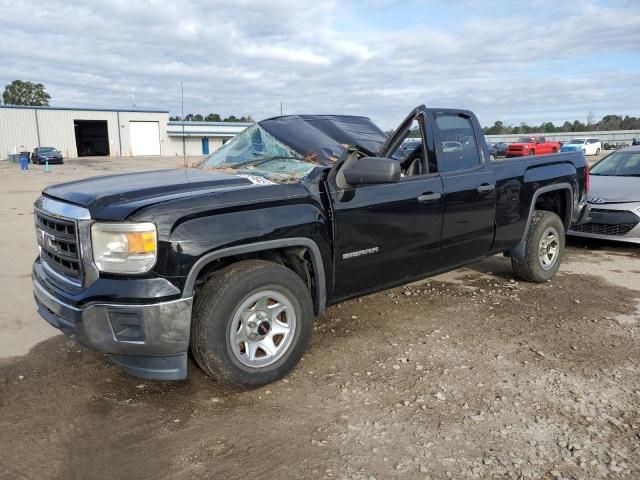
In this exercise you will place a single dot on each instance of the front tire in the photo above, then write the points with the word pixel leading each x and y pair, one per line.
pixel 544 248
pixel 251 323
pixel 597 151
pixel 532 152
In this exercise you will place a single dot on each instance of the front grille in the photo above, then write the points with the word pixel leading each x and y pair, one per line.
pixel 605 228
pixel 58 240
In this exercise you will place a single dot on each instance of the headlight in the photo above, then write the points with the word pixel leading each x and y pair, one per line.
pixel 124 247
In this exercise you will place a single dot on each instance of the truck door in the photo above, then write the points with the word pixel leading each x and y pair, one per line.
pixel 469 188
pixel 542 147
pixel 387 234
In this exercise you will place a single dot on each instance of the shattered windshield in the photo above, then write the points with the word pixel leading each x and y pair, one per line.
pixel 255 152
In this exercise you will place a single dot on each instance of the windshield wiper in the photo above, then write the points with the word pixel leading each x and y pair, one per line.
pixel 263 159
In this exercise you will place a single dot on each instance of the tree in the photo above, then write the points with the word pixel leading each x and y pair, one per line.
pixel 548 127
pixel 578 126
pixel 212 117
pixel 25 93
pixel 496 129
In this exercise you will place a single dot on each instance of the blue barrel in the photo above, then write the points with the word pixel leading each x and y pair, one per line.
pixel 24 162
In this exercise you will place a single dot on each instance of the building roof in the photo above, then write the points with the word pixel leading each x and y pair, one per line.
pixel 210 124
pixel 82 109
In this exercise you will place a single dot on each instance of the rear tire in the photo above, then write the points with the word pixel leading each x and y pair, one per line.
pixel 554 150
pixel 544 247
pixel 235 323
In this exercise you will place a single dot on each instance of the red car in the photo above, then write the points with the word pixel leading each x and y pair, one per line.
pixel 532 146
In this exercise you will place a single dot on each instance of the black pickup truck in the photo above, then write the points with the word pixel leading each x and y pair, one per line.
pixel 234 259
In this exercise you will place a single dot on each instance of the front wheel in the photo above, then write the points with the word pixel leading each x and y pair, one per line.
pixel 598 151
pixel 544 247
pixel 532 152
pixel 251 323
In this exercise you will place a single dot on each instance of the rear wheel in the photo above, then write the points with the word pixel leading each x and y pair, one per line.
pixel 251 323
pixel 554 150
pixel 544 247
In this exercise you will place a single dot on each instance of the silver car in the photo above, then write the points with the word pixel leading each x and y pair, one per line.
pixel 614 198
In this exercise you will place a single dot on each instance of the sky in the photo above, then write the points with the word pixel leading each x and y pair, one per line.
pixel 532 61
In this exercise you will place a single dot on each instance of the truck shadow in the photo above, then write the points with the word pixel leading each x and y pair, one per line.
pixel 91 414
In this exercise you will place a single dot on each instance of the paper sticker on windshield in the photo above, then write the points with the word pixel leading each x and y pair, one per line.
pixel 256 180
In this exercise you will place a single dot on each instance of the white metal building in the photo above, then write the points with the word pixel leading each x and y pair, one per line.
pixel 78 132
pixel 83 132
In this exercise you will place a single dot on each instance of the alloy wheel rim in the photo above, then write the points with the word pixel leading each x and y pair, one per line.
pixel 262 328
pixel 549 248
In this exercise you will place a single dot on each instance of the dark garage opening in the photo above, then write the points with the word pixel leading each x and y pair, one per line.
pixel 92 138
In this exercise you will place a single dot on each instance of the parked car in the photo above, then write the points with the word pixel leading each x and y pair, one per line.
pixel 451 146
pixel 233 260
pixel 588 146
pixel 614 198
pixel 43 155
pixel 534 145
pixel 410 145
pixel 493 152
pixel 501 149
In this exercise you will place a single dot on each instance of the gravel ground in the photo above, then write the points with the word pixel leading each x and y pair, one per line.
pixel 466 375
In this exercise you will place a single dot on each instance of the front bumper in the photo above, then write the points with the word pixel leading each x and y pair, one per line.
pixel 148 340
pixel 619 222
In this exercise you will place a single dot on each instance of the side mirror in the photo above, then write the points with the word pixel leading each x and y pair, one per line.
pixel 371 170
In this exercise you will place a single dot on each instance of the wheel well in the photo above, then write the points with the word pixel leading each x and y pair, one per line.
pixel 297 259
pixel 557 201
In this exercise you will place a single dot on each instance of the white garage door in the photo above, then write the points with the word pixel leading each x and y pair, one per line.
pixel 145 138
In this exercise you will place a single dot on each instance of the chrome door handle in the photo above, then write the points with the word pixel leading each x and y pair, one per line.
pixel 429 197
pixel 484 188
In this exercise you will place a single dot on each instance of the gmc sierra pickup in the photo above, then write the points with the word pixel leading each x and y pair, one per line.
pixel 234 259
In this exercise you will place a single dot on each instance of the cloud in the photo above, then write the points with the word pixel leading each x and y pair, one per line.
pixel 550 61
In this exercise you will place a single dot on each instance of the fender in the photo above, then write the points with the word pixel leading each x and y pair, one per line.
pixel 519 249
pixel 316 260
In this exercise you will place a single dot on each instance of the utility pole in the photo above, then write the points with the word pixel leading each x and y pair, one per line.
pixel 133 98
pixel 184 149
pixel 280 107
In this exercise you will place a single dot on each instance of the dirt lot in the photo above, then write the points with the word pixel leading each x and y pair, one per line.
pixel 466 375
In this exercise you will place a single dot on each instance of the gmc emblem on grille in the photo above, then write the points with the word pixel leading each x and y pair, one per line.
pixel 48 241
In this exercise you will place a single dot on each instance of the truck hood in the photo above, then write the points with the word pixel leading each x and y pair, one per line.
pixel 605 189
pixel 114 197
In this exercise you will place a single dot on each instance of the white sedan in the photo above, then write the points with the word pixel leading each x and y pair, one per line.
pixel 589 146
